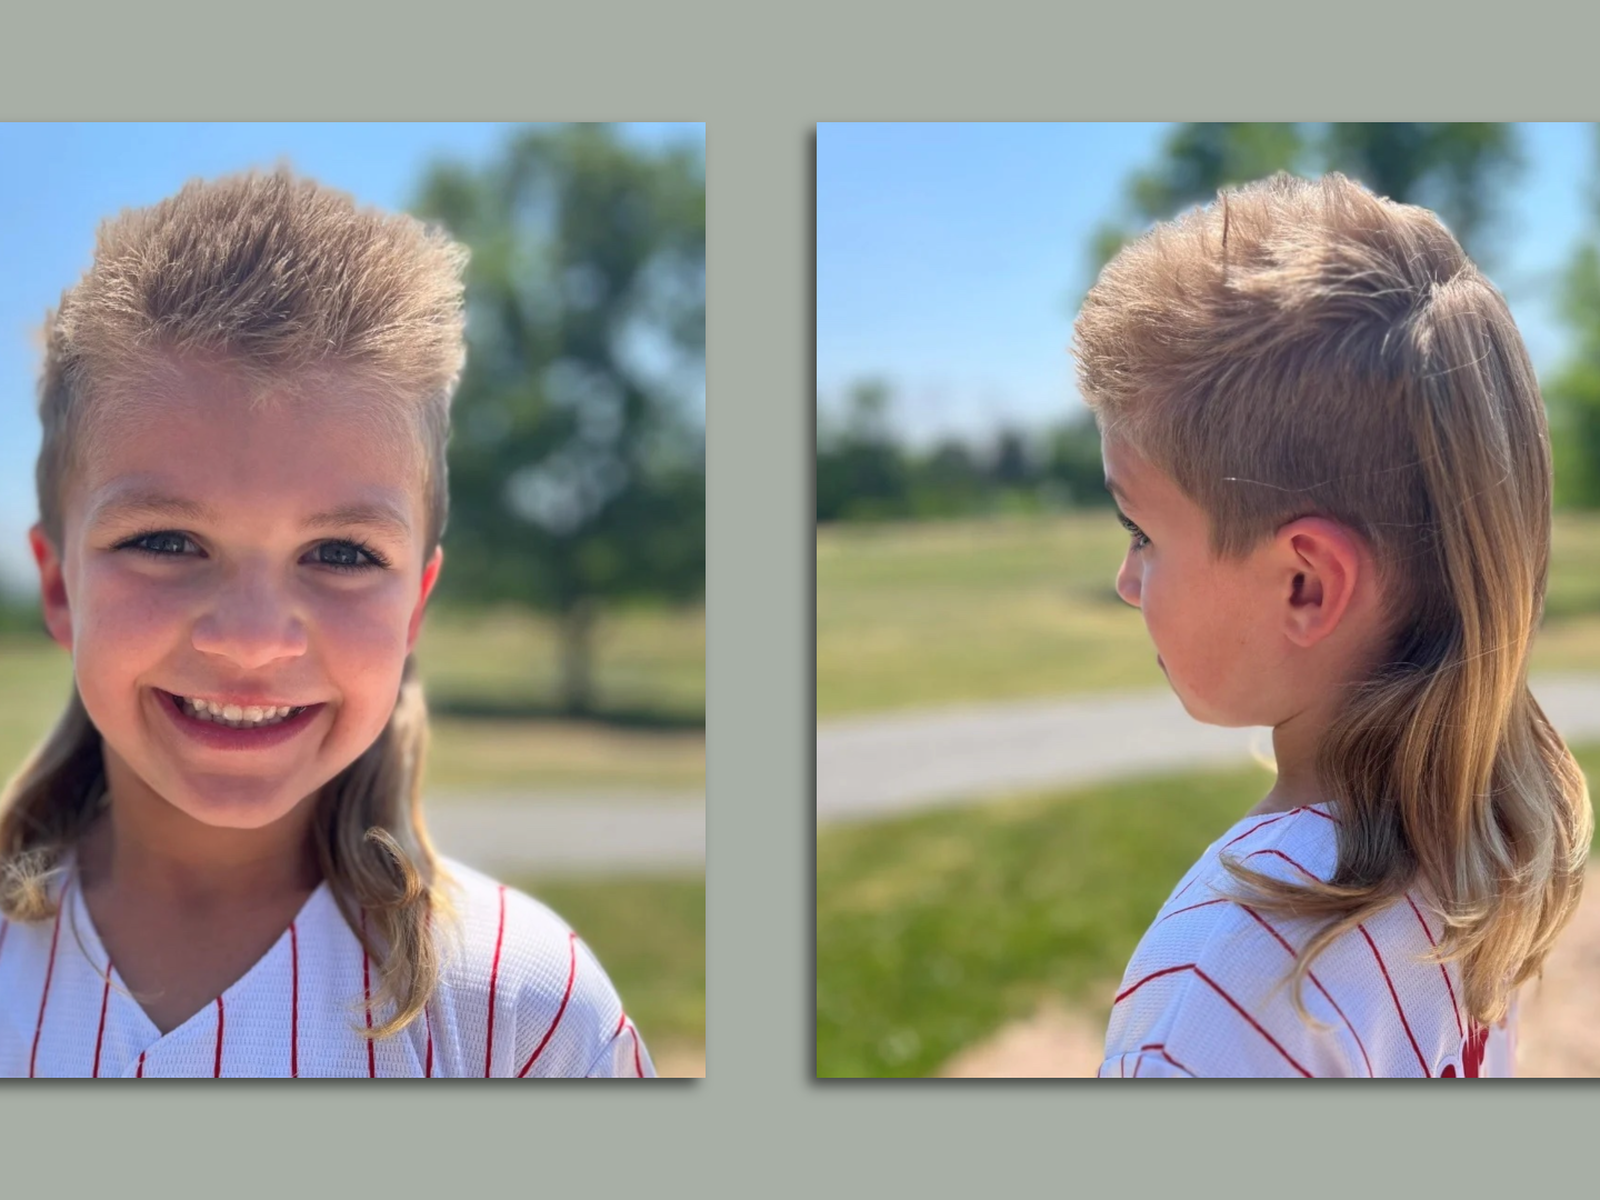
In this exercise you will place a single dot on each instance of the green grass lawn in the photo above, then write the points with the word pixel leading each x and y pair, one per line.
pixel 650 935
pixel 649 660
pixel 935 930
pixel 911 615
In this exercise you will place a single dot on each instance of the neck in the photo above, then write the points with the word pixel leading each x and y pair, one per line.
pixel 1294 747
pixel 142 842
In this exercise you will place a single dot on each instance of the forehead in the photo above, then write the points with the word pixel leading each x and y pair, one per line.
pixel 1144 489
pixel 1129 476
pixel 196 431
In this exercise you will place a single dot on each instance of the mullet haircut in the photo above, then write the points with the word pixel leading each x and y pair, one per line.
pixel 1306 348
pixel 271 278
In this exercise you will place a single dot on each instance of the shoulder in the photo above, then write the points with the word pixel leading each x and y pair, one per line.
pixel 497 934
pixel 555 1004
pixel 1206 991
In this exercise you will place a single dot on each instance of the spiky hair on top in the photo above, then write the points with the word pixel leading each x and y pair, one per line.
pixel 273 276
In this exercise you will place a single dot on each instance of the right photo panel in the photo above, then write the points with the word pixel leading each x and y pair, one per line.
pixel 1208 599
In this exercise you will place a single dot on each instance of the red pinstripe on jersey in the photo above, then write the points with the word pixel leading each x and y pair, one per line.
pixel 1254 1024
pixel 1232 1003
pixel 44 995
pixel 1285 857
pixel 101 1032
pixel 1317 983
pixel 572 974
pixel 294 1002
pixel 247 1035
pixel 1192 907
pixel 1449 987
pixel 1161 1046
pixel 1293 812
pixel 216 1072
pixel 1184 889
pixel 1422 1062
pixel 1356 982
pixel 1256 826
pixel 494 978
pixel 427 1070
pixel 1126 992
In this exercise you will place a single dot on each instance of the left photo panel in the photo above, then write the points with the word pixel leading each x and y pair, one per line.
pixel 352 621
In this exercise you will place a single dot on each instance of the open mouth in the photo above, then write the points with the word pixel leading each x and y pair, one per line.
pixel 248 717
pixel 235 716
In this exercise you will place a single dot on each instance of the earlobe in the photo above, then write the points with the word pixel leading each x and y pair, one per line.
pixel 53 602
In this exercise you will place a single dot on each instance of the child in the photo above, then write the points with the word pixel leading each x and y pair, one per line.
pixel 1329 449
pixel 216 864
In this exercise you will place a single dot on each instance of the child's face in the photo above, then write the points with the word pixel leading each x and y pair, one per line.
pixel 1215 623
pixel 218 552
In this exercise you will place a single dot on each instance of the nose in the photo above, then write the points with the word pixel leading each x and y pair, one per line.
pixel 1129 581
pixel 251 621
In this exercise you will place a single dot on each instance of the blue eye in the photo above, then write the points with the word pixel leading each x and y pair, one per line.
pixel 161 544
pixel 347 556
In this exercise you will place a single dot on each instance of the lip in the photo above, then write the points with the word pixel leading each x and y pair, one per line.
pixel 225 737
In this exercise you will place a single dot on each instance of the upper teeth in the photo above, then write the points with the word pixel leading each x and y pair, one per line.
pixel 234 714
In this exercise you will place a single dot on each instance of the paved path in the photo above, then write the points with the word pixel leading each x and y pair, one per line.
pixel 564 835
pixel 877 766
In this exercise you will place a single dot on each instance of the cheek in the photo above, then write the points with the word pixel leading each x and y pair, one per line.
pixel 361 638
pixel 122 616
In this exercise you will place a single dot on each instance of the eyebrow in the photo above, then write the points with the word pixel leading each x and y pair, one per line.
pixel 380 517
pixel 1116 490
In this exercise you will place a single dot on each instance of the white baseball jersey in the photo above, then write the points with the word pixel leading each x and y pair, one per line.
pixel 519 995
pixel 1204 995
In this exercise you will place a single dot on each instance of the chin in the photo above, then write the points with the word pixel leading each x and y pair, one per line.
pixel 225 802
pixel 1208 713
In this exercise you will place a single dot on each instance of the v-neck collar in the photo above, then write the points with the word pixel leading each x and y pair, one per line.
pixel 81 924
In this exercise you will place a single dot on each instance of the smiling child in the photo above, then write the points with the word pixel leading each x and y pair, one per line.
pixel 1330 453
pixel 216 863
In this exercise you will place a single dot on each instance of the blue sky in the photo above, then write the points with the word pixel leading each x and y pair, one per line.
pixel 65 178
pixel 950 257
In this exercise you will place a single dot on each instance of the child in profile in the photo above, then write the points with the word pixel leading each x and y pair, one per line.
pixel 216 864
pixel 1329 450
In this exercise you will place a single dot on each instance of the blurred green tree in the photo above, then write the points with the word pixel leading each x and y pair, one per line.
pixel 1196 159
pixel 1460 169
pixel 577 459
pixel 1572 393
pixel 1073 465
pixel 861 470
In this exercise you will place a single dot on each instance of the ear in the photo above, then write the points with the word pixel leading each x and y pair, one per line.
pixel 52 587
pixel 1323 564
pixel 430 576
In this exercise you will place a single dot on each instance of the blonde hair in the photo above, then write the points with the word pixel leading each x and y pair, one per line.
pixel 273 278
pixel 1304 348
